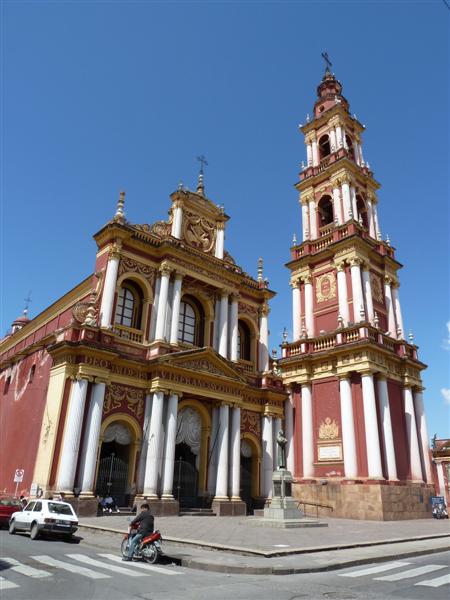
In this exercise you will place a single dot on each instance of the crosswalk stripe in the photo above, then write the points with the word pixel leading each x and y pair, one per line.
pixel 48 560
pixel 435 582
pixel 376 569
pixel 145 566
pixel 98 563
pixel 410 573
pixel 5 584
pixel 25 569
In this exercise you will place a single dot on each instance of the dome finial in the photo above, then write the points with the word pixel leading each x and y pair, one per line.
pixel 201 185
pixel 120 215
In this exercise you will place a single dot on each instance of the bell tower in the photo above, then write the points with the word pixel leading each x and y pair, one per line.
pixel 356 405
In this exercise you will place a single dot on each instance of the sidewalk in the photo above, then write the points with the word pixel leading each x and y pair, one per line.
pixel 234 545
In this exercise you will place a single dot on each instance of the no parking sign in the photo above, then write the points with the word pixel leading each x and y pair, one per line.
pixel 18 475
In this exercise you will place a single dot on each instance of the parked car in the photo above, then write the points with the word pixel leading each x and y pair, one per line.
pixel 45 516
pixel 8 506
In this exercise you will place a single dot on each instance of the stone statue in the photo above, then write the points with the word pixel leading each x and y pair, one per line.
pixel 281 454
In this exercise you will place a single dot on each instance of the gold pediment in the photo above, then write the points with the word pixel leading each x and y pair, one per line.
pixel 206 361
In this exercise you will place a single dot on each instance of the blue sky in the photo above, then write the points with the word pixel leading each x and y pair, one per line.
pixel 100 96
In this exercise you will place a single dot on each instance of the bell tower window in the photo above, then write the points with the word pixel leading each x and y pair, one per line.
pixel 324 146
pixel 325 211
pixel 243 341
pixel 350 147
pixel 362 211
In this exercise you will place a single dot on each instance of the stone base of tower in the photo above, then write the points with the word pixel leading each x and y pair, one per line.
pixel 373 501
pixel 229 508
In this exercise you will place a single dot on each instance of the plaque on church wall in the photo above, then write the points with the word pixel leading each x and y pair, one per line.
pixel 328 452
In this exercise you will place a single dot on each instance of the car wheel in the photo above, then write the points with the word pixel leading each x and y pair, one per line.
pixel 34 531
pixel 12 527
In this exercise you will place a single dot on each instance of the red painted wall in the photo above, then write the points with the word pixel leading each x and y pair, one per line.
pixel 358 418
pixel 326 403
pixel 298 454
pixel 22 410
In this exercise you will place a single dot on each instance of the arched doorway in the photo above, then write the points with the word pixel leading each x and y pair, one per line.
pixel 250 472
pixel 113 466
pixel 187 457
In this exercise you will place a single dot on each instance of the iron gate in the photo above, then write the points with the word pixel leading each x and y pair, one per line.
pixel 185 482
pixel 113 478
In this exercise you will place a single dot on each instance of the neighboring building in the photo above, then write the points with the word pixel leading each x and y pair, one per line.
pixel 152 375
pixel 441 460
pixel 360 442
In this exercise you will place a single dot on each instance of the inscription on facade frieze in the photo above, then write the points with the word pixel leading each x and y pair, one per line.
pixel 202 365
pixel 200 383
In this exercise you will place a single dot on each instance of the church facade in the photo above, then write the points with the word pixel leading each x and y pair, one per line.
pixel 152 378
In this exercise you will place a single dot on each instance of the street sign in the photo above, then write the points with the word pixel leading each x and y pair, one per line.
pixel 18 475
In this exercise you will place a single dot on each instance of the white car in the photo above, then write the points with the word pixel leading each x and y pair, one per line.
pixel 45 516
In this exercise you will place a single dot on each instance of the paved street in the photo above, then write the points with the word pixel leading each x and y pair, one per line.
pixel 55 570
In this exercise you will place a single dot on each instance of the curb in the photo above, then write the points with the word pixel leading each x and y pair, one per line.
pixel 275 553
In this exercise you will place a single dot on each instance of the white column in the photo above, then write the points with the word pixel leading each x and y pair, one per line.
pixel 375 218
pixel 216 336
pixel 315 153
pixel 264 338
pixel 296 310
pixel 386 424
pixel 342 293
pixel 356 151
pixel 309 316
pixel 441 479
pixel 109 289
pixel 144 444
pixel 169 446
pixel 354 205
pixel 91 439
pixel 370 219
pixel 348 429
pixel 177 221
pixel 346 201
pixel 162 304
pixel 223 327
pixel 398 311
pixel 234 327
pixel 361 158
pixel 371 427
pixel 392 329
pixel 289 431
pixel 339 136
pixel 368 293
pixel 344 139
pixel 220 239
pixel 333 143
pixel 267 462
pixel 357 292
pixel 176 309
pixel 72 434
pixel 337 205
pixel 235 445
pixel 423 434
pixel 411 430
pixel 309 156
pixel 155 309
pixel 305 221
pixel 213 451
pixel 312 220
pixel 222 467
pixel 154 450
pixel 307 432
pixel 276 426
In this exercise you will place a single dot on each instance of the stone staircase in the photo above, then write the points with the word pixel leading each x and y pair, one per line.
pixel 197 512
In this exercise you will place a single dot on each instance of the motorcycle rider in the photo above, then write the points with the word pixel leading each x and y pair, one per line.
pixel 145 521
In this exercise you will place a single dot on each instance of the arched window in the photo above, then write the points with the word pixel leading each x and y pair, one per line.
pixel 129 306
pixel 324 146
pixel 244 338
pixel 325 211
pixel 351 150
pixel 190 323
pixel 362 211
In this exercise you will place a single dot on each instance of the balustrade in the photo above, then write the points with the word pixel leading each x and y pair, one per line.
pixel 128 333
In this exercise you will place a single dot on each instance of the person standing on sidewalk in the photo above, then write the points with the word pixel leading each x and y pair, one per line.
pixel 145 522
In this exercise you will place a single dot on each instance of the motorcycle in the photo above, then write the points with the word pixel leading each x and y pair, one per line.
pixel 148 550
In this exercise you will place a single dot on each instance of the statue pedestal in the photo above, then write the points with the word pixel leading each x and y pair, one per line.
pixel 283 511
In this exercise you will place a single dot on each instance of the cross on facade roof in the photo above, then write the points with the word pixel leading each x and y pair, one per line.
pixel 328 62
pixel 202 160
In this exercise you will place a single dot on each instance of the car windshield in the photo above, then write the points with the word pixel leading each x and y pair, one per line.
pixel 61 509
pixel 9 502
